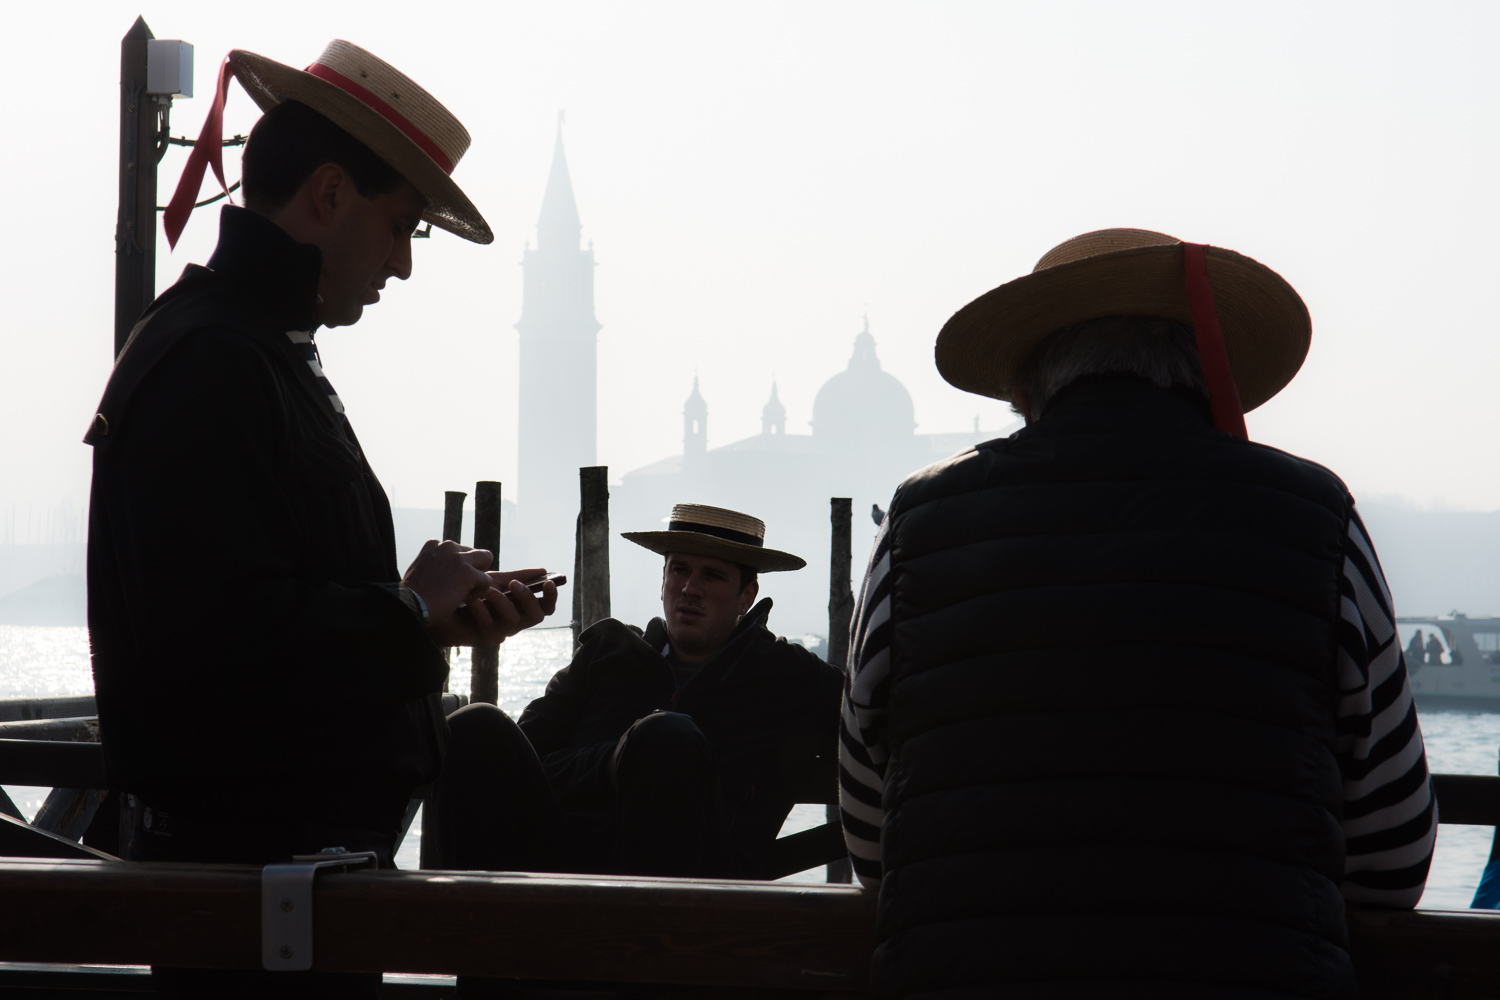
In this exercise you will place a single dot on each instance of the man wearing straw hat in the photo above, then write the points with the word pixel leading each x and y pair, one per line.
pixel 1128 706
pixel 267 679
pixel 655 752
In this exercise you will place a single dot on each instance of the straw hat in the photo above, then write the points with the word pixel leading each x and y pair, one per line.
pixel 384 109
pixel 1127 272
pixel 694 529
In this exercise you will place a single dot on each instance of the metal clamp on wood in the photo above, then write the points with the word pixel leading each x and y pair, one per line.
pixel 286 892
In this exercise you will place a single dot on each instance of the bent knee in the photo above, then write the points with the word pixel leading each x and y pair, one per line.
pixel 665 739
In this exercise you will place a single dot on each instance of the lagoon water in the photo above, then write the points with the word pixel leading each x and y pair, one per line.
pixel 41 662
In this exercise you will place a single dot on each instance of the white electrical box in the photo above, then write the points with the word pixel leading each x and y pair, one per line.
pixel 169 67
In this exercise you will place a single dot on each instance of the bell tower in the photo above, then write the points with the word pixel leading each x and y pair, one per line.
pixel 558 376
pixel 694 426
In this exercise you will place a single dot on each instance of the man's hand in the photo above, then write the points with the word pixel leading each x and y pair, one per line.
pixel 469 606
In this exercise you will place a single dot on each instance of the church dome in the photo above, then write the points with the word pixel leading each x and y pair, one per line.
pixel 863 405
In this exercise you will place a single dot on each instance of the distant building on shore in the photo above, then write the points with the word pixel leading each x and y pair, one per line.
pixel 863 442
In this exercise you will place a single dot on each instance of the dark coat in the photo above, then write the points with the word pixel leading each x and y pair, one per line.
pixel 251 643
pixel 760 700
pixel 1111 713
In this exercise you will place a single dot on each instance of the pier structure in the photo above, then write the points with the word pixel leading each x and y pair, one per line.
pixel 558 372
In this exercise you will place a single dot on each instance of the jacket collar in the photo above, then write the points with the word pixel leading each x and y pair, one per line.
pixel 751 627
pixel 258 256
pixel 1121 401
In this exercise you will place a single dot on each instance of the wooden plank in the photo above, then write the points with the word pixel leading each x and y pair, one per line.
pixel 21 840
pixel 592 582
pixel 1425 953
pixel 1468 799
pixel 80 730
pixel 22 709
pixel 50 764
pixel 484 661
pixel 803 937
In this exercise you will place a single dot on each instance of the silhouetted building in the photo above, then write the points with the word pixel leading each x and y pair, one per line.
pixel 558 380
pixel 863 443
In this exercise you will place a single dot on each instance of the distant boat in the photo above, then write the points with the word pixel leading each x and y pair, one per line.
pixel 1469 675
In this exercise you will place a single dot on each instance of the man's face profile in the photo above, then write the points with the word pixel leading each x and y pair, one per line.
pixel 702 601
pixel 366 242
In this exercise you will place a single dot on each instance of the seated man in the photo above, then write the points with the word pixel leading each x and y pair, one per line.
pixel 656 752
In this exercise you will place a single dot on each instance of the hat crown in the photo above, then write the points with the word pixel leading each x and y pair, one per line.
pixel 684 514
pixel 1101 241
pixel 400 92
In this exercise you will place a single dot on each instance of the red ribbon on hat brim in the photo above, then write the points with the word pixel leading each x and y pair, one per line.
pixel 387 112
pixel 1223 394
pixel 207 151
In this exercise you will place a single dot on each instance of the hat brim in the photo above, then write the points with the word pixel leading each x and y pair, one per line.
pixel 269 83
pixel 1267 330
pixel 696 543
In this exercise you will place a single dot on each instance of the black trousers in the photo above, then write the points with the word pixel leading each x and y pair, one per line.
pixel 496 812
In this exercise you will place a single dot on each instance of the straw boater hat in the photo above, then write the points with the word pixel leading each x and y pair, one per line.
pixel 1129 272
pixel 695 529
pixel 378 105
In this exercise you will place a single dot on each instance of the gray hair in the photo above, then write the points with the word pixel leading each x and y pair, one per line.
pixel 1164 352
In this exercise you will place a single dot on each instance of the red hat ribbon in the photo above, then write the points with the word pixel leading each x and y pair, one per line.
pixel 1223 395
pixel 387 112
pixel 208 150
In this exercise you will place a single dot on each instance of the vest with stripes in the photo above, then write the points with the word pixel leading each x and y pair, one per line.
pixel 1111 712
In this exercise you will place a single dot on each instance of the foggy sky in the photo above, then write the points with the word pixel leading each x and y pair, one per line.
pixel 756 177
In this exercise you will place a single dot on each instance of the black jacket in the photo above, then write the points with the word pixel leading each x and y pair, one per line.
pixel 1111 714
pixel 760 700
pixel 251 644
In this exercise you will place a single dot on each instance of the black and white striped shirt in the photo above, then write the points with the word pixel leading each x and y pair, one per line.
pixel 1390 817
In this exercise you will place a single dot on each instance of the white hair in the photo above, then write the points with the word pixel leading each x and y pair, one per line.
pixel 1161 351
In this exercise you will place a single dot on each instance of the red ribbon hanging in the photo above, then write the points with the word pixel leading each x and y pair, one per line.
pixel 1223 394
pixel 208 151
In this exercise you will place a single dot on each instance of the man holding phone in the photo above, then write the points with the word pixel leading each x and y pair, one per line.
pixel 268 681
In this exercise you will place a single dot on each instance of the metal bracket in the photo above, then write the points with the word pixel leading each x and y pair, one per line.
pixel 286 892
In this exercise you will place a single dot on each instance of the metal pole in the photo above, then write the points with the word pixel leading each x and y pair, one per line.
pixel 840 611
pixel 593 544
pixel 135 226
pixel 484 682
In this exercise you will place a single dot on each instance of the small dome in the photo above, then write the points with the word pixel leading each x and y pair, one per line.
pixel 863 405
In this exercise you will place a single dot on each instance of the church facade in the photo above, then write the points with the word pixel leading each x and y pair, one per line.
pixel 863 441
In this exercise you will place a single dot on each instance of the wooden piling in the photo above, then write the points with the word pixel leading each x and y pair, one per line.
pixel 453 515
pixel 840 572
pixel 840 611
pixel 593 547
pixel 140 149
pixel 484 683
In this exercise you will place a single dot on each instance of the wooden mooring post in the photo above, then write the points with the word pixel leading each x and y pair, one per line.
pixel 453 531
pixel 140 149
pixel 591 555
pixel 484 681
pixel 840 611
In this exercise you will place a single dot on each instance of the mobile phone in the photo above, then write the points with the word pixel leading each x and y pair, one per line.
pixel 535 586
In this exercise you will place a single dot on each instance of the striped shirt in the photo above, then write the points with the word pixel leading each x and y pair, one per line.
pixel 1390 816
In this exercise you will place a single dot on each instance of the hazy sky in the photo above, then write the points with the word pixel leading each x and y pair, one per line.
pixel 757 176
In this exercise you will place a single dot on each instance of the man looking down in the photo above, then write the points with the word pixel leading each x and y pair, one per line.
pixel 1128 714
pixel 268 682
pixel 655 752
